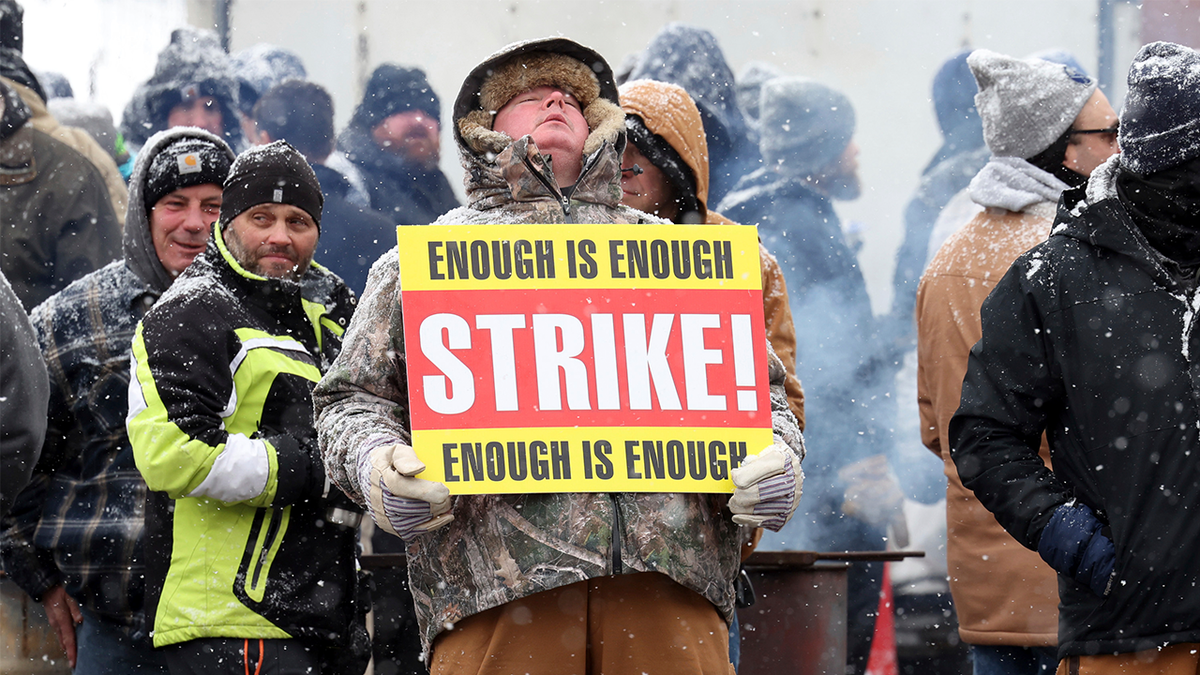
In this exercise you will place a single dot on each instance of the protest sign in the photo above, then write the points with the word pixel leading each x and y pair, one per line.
pixel 584 358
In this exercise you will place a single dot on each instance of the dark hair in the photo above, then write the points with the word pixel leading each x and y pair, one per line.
pixel 300 113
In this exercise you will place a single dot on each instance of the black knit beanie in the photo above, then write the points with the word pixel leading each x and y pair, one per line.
pixel 271 174
pixel 395 89
pixel 1160 125
pixel 184 163
pixel 662 155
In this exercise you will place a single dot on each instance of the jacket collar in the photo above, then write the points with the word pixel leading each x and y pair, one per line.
pixel 521 175
pixel 1094 214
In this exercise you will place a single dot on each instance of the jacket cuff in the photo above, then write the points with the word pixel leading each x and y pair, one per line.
pixel 300 475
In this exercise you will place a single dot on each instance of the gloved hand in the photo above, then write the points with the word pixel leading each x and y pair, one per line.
pixel 1074 545
pixel 767 487
pixel 401 504
pixel 872 494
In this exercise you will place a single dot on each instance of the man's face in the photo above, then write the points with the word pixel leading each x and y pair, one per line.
pixel 1085 152
pixel 411 134
pixel 180 224
pixel 841 180
pixel 555 120
pixel 273 240
pixel 650 191
pixel 201 111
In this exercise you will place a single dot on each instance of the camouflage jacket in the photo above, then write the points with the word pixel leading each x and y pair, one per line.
pixel 500 548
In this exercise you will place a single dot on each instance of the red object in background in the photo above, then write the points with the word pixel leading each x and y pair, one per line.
pixel 883 645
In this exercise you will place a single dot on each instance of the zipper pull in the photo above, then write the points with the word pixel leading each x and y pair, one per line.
pixel 566 206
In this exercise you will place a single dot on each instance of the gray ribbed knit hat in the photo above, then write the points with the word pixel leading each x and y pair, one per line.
pixel 1160 125
pixel 1026 104
pixel 805 125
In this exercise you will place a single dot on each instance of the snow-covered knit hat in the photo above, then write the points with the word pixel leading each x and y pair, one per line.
pixel 186 162
pixel 1160 125
pixel 275 173
pixel 1028 104
pixel 395 89
pixel 805 125
pixel 556 62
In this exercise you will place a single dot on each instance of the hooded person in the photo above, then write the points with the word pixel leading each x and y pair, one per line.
pixel 1011 626
pixel 250 556
pixel 691 58
pixel 808 155
pixel 74 540
pixel 193 84
pixel 540 134
pixel 1114 284
pixel 56 219
pixel 666 136
pixel 393 142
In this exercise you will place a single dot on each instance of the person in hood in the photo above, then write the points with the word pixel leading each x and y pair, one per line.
pixel 250 556
pixel 74 539
pixel 667 144
pixel 691 58
pixel 1089 338
pixel 194 84
pixel 56 220
pixel 809 161
pixel 1006 598
pixel 540 134
pixel 301 113
pixel 393 140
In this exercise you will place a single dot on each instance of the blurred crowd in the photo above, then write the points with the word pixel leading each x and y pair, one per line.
pixel 108 240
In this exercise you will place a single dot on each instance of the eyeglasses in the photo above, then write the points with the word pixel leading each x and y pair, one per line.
pixel 1111 130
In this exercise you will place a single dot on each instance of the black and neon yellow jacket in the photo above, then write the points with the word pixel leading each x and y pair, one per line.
pixel 242 539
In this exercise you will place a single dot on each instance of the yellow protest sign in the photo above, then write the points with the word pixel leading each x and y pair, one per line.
pixel 584 358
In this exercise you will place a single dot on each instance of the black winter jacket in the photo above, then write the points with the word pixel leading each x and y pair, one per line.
pixel 1091 337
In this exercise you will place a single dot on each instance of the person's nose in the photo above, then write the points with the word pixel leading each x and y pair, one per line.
pixel 194 220
pixel 278 235
pixel 555 98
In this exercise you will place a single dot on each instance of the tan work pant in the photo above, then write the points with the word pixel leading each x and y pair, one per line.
pixel 631 623
pixel 1181 659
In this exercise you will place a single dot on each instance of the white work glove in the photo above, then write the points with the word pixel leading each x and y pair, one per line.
pixel 767 488
pixel 401 504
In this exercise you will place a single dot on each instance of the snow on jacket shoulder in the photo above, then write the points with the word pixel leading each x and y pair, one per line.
pixel 240 541
pixel 1088 337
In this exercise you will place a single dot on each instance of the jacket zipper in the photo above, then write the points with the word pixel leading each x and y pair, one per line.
pixel 268 541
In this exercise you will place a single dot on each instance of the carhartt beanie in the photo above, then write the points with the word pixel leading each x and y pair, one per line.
pixel 184 163
pixel 805 125
pixel 395 89
pixel 1026 105
pixel 271 174
pixel 1160 125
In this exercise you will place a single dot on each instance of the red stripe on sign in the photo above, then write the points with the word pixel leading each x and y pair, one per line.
pixel 560 358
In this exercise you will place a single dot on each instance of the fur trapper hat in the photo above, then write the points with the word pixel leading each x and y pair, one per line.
pixel 556 62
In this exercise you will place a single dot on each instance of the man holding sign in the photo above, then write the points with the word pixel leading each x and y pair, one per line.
pixel 573 432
